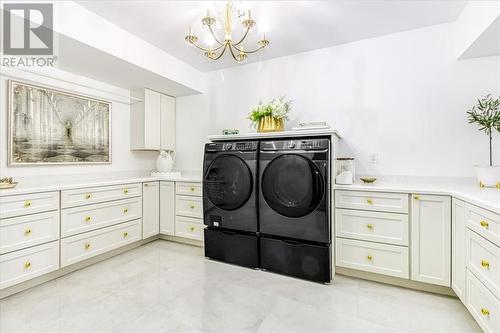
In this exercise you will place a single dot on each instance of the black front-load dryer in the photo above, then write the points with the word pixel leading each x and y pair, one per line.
pixel 294 194
pixel 229 185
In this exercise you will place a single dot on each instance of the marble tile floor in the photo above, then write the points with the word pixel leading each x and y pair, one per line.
pixel 170 287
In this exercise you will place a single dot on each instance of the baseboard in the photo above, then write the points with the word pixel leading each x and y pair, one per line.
pixel 396 281
pixel 182 240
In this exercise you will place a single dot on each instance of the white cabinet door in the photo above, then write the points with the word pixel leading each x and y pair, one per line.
pixel 152 102
pixel 458 249
pixel 151 209
pixel 431 239
pixel 167 208
pixel 167 115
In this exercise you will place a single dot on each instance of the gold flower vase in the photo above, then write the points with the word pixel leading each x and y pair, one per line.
pixel 270 124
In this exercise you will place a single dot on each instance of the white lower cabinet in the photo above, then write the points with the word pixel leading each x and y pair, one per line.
pixel 483 305
pixel 151 209
pixel 167 208
pixel 90 244
pixel 188 227
pixel 458 249
pixel 23 265
pixel 431 239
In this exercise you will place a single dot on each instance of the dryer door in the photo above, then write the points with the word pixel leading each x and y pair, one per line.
pixel 292 185
pixel 228 182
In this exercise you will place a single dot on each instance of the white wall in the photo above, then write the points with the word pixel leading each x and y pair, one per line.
pixel 122 158
pixel 401 96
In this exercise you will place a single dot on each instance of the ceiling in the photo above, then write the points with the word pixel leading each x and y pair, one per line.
pixel 291 26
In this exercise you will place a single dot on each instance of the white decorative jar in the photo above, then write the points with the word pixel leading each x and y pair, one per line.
pixel 488 176
pixel 165 161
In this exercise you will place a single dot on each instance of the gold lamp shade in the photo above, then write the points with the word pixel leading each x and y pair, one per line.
pixel 270 124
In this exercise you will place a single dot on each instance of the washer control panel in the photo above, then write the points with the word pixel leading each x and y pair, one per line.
pixel 306 144
pixel 231 146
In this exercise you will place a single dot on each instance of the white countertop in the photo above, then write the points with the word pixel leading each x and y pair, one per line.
pixel 465 189
pixel 272 135
pixel 55 183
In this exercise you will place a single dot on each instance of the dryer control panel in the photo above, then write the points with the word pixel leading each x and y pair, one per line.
pixel 307 144
pixel 231 146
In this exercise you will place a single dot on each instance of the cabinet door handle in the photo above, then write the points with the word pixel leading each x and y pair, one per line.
pixel 192 228
pixel 484 224
pixel 87 218
pixel 146 185
pixel 416 197
pixel 27 264
pixel 485 264
pixel 125 191
pixel 27 232
pixel 125 234
pixel 27 204
pixel 369 201
pixel 369 226
pixel 88 196
pixel 485 312
pixel 192 189
pixel 125 211
pixel 369 257
pixel 87 246
pixel 192 206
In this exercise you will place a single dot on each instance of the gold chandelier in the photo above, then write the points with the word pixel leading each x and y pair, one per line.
pixel 235 47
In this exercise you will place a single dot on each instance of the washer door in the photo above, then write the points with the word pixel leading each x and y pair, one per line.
pixel 292 185
pixel 228 182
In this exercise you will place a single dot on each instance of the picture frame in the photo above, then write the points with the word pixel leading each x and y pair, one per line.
pixel 48 126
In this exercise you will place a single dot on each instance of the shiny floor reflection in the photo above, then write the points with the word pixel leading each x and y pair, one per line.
pixel 169 287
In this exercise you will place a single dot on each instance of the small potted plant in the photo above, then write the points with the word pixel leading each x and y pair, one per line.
pixel 486 113
pixel 271 117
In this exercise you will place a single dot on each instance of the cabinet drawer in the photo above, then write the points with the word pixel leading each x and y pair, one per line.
pixel 372 257
pixel 90 244
pixel 188 188
pixel 188 227
pixel 21 232
pixel 484 222
pixel 188 206
pixel 86 218
pixel 387 228
pixel 378 201
pixel 24 204
pixel 482 304
pixel 27 264
pixel 90 195
pixel 483 259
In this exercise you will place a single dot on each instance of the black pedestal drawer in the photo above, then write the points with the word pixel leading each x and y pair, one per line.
pixel 303 260
pixel 232 247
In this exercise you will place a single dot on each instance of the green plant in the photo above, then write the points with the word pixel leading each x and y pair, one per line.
pixel 277 108
pixel 486 113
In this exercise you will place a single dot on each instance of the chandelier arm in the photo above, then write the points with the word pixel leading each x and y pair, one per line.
pixel 213 35
pixel 220 55
pixel 207 50
pixel 232 52
pixel 242 38
pixel 245 51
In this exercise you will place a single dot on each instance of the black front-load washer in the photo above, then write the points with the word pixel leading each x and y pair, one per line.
pixel 294 195
pixel 229 185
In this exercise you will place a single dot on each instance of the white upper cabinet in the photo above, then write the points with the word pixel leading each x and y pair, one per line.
pixel 458 250
pixel 431 239
pixel 152 121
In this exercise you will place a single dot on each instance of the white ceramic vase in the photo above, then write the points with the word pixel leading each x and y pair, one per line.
pixel 488 176
pixel 165 161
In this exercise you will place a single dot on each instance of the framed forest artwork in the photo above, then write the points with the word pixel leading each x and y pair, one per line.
pixel 48 126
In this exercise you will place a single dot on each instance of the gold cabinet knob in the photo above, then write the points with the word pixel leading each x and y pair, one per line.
pixel 369 201
pixel 485 312
pixel 125 234
pixel 125 211
pixel 27 264
pixel 192 206
pixel 416 197
pixel 146 185
pixel 27 204
pixel 125 191
pixel 87 196
pixel 87 218
pixel 484 224
pixel 87 246
pixel 27 232
pixel 485 264
pixel 369 257
pixel 192 189
pixel 369 226
pixel 192 228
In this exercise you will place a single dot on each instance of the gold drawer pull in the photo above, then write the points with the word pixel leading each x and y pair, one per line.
pixel 369 257
pixel 146 185
pixel 87 246
pixel 125 234
pixel 192 228
pixel 125 211
pixel 416 197
pixel 192 189
pixel 88 196
pixel 484 224
pixel 369 226
pixel 27 204
pixel 27 231
pixel 485 264
pixel 369 201
pixel 125 191
pixel 87 218
pixel 27 264
pixel 192 206
pixel 485 312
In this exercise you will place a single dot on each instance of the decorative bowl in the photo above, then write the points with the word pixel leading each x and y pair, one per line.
pixel 368 180
pixel 7 185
